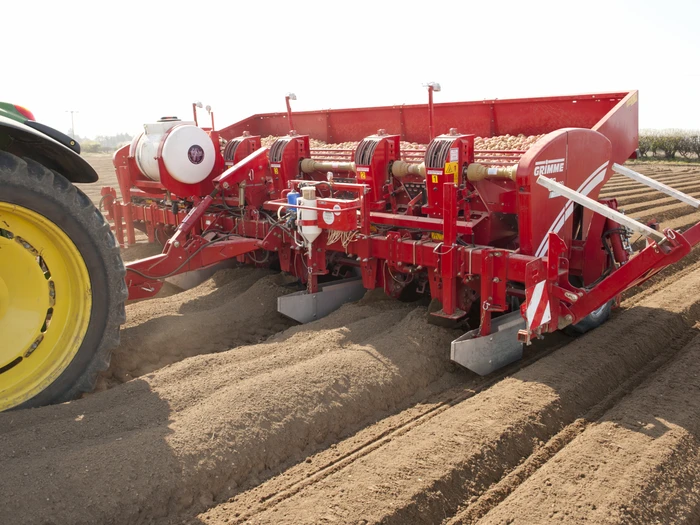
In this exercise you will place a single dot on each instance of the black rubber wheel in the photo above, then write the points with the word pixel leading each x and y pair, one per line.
pixel 592 320
pixel 33 187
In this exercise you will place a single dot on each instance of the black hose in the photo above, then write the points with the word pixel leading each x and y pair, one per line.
pixel 176 270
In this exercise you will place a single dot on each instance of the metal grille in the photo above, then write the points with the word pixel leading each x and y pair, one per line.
pixel 413 189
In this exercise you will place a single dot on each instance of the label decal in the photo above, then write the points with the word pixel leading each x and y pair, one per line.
pixel 195 154
pixel 547 167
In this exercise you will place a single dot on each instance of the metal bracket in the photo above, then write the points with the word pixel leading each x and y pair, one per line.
pixel 194 278
pixel 306 307
pixel 488 353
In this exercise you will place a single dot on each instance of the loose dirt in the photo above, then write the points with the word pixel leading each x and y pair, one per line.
pixel 636 464
pixel 218 410
pixel 102 163
pixel 176 441
pixel 235 307
pixel 427 473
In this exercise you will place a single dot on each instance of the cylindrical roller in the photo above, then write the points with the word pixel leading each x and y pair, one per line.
pixel 311 165
pixel 477 172
pixel 402 168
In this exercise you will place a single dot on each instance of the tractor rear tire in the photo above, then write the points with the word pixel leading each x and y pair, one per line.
pixel 62 287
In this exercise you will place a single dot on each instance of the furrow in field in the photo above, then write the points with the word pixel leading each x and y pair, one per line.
pixel 621 183
pixel 655 201
pixel 233 308
pixel 172 443
pixel 639 463
pixel 648 193
pixel 423 476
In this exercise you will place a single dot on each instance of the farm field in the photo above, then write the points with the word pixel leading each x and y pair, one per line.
pixel 218 410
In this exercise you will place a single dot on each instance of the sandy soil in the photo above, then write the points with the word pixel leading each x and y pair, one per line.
pixel 218 410
pixel 102 162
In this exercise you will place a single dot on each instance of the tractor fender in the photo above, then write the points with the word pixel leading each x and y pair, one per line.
pixel 24 141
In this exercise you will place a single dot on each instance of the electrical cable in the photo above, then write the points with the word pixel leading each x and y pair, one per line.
pixel 406 282
pixel 267 256
pixel 102 200
pixel 176 270
pixel 605 237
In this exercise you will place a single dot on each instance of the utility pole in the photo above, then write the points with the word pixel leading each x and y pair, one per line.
pixel 72 122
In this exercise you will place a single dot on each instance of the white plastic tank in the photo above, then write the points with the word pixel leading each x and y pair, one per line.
pixel 310 232
pixel 188 152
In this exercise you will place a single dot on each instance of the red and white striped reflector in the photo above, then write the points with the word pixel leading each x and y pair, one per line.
pixel 537 312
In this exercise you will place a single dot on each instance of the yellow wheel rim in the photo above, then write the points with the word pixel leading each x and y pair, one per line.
pixel 45 303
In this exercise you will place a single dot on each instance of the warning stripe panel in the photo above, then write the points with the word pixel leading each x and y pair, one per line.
pixel 538 311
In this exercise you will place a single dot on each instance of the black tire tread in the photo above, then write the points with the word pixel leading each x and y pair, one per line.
pixel 590 322
pixel 28 174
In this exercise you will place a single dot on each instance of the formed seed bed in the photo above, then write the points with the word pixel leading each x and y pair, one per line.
pixel 235 307
pixel 429 472
pixel 359 417
pixel 638 463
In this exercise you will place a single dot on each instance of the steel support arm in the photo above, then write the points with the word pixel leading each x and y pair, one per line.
pixel 144 278
pixel 593 205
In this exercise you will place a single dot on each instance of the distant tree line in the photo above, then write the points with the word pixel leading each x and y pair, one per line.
pixel 102 143
pixel 669 144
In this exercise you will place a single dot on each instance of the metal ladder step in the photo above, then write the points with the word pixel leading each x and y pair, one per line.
pixel 636 226
pixel 659 186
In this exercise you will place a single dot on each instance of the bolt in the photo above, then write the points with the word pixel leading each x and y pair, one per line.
pixel 399 264
pixel 496 280
pixel 490 298
pixel 571 296
pixel 568 317
pixel 176 244
pixel 226 185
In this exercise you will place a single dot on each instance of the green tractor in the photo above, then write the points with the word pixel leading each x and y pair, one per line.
pixel 62 288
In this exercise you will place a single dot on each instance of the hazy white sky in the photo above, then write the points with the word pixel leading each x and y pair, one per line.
pixel 121 64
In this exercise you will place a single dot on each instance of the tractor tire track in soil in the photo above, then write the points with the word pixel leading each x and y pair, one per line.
pixel 237 416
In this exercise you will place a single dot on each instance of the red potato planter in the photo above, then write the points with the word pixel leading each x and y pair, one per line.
pixel 498 219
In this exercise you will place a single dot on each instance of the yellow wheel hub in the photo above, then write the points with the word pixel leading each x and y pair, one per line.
pixel 45 303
